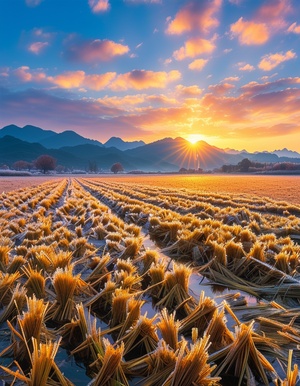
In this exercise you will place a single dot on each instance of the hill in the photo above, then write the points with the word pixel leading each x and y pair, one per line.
pixel 123 145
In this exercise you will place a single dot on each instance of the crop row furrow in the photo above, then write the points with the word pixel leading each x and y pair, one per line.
pixel 83 281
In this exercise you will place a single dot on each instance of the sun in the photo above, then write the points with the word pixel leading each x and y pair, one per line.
pixel 194 138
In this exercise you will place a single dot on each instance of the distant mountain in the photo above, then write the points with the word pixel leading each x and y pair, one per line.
pixel 233 151
pixel 13 149
pixel 166 155
pixel 106 157
pixel 67 138
pixel 180 153
pixel 286 153
pixel 27 133
pixel 118 143
pixel 47 138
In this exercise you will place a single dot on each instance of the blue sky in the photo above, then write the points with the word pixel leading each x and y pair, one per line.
pixel 226 71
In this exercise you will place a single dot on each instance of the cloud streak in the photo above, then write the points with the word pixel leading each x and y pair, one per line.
pixel 91 51
pixel 193 48
pixel 98 6
pixel 196 16
pixel 270 61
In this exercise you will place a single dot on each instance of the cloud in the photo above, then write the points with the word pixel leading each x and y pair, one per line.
pixel 98 6
pixel 221 89
pixel 271 61
pixel 269 19
pixel 254 88
pixel 25 74
pixel 33 3
pixel 231 79
pixel 144 1
pixel 37 47
pixel 250 32
pixel 294 28
pixel 94 50
pixel 188 91
pixel 99 81
pixel 128 101
pixel 246 67
pixel 193 48
pixel 142 79
pixel 87 117
pixel 70 79
pixel 196 16
pixel 273 13
pixel 198 64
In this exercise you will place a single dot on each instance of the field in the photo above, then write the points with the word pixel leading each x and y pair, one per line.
pixel 153 280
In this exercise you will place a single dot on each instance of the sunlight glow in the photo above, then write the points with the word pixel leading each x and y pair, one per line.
pixel 194 138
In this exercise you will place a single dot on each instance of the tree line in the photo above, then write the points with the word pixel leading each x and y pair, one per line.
pixel 46 163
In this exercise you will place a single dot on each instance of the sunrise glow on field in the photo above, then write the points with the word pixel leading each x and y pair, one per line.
pixel 149 192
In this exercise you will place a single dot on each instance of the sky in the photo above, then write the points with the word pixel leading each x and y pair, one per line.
pixel 223 71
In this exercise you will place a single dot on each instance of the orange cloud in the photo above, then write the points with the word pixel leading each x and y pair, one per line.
pixel 95 50
pixel 197 16
pixel 294 28
pixel 70 79
pixel 122 102
pixel 142 79
pixel 99 5
pixel 98 81
pixel 268 20
pixel 188 91
pixel 37 47
pixel 273 60
pixel 250 32
pixel 198 64
pixel 194 47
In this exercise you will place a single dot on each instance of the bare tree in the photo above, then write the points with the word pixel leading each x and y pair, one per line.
pixel 22 165
pixel 117 167
pixel 45 163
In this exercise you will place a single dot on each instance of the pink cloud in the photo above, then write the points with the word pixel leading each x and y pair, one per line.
pixel 250 32
pixel 25 74
pixel 273 12
pixel 95 50
pixel 246 67
pixel 98 6
pixel 294 28
pixel 231 79
pixel 271 61
pixel 254 88
pixel 197 16
pixel 193 48
pixel 142 79
pixel 144 1
pixel 221 89
pixel 33 3
pixel 198 64
pixel 37 47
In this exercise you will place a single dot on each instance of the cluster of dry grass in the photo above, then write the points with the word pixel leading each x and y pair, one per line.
pixel 76 276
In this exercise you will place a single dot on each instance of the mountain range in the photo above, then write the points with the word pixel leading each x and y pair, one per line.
pixel 77 152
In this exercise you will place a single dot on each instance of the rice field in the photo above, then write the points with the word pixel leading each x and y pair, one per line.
pixel 152 281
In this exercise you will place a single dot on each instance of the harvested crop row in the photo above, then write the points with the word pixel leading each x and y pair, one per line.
pixel 83 268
